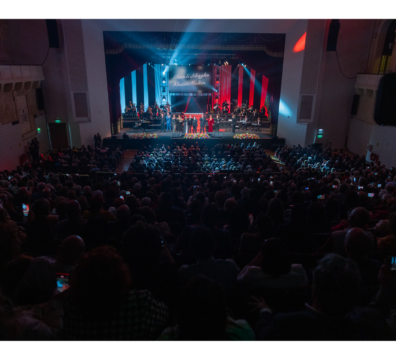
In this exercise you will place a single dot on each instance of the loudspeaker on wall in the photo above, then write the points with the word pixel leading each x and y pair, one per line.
pixel 40 99
pixel 355 104
pixel 334 28
pixel 52 30
pixel 385 104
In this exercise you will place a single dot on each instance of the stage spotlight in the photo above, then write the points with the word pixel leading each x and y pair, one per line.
pixel 163 98
pixel 163 80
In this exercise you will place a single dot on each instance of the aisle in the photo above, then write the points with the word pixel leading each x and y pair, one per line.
pixel 126 161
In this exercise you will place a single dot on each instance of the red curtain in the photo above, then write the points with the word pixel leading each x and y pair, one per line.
pixel 240 85
pixel 252 81
pixel 264 87
pixel 225 86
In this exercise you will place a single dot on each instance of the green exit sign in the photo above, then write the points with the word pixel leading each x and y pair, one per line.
pixel 57 121
pixel 320 136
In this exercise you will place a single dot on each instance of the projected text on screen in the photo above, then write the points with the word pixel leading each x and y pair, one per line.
pixel 190 79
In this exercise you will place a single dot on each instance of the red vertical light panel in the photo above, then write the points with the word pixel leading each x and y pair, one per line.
pixel 240 85
pixel 251 91
pixel 225 86
pixel 264 87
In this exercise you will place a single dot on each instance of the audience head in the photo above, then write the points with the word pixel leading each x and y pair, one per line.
pixel 275 258
pixel 99 283
pixel 336 286
pixel 357 243
pixel 359 217
pixel 202 313
pixel 202 243
pixel 70 250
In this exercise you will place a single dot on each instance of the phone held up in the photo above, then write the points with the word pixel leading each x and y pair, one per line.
pixel 25 209
pixel 391 262
pixel 62 282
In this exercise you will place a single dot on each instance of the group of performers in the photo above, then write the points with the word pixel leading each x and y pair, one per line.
pixel 242 116
pixel 209 124
pixel 152 111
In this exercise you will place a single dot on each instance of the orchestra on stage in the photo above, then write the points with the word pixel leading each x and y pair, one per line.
pixel 164 119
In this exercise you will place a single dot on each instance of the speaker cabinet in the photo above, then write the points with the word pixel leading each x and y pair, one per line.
pixel 355 104
pixel 40 99
pixel 52 30
pixel 334 28
pixel 385 104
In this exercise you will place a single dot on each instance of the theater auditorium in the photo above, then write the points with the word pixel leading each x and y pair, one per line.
pixel 229 179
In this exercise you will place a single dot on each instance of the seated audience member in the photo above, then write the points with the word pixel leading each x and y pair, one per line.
pixel 298 234
pixel 68 254
pixel 387 245
pixel 272 269
pixel 73 225
pixel 37 285
pixel 9 329
pixel 148 213
pixel 117 228
pixel 251 244
pixel 95 209
pixel 149 260
pixel 40 235
pixel 203 244
pixel 359 217
pixel 358 247
pixel 12 274
pixel 99 304
pixel 202 315
pixel 317 218
pixel 210 218
pixel 169 214
pixel 10 240
pixel 333 314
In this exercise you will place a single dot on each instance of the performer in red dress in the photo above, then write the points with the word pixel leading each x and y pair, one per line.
pixel 210 124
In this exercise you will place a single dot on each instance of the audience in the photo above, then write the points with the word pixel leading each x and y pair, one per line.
pixel 198 243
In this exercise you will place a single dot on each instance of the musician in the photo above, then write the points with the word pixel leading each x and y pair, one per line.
pixel 210 124
pixel 163 122
pixel 179 123
pixel 189 124
pixel 194 124
pixel 245 123
pixel 233 123
pixel 217 123
pixel 168 122
pixel 167 107
pixel 174 123
pixel 202 123
pixel 133 109
pixel 141 108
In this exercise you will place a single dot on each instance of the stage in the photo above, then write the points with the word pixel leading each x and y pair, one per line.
pixel 265 140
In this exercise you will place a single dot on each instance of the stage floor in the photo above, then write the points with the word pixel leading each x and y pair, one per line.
pixel 265 140
pixel 263 134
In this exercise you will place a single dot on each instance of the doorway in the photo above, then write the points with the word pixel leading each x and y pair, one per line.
pixel 58 134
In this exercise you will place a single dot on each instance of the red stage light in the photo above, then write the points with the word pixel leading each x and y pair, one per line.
pixel 300 44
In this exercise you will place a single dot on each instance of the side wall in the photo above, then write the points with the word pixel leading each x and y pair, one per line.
pixel 336 90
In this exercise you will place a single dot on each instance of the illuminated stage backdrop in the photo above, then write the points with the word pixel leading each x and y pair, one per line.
pixel 190 79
